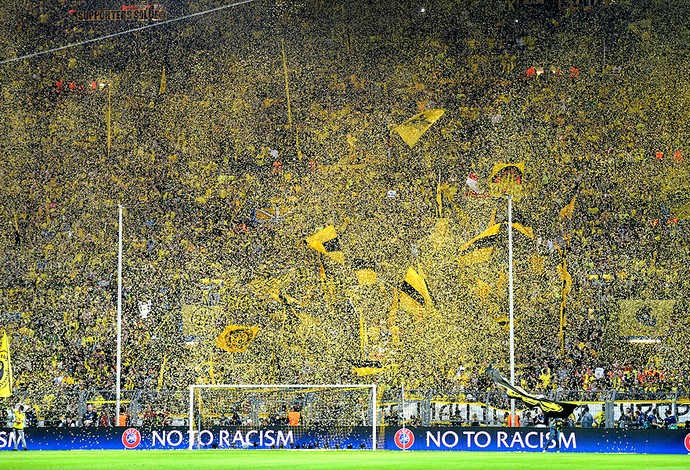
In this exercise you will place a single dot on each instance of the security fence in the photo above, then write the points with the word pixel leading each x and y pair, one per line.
pixel 65 408
pixel 489 408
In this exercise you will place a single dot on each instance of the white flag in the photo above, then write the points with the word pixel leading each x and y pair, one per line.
pixel 472 181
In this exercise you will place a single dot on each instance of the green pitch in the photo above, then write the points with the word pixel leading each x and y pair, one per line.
pixel 329 460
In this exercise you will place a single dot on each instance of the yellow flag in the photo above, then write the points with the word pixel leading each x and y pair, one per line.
pixel 5 368
pixel 513 170
pixel 365 277
pixel 236 338
pixel 414 292
pixel 272 215
pixel 362 334
pixel 504 322
pixel 520 224
pixel 326 241
pixel 567 211
pixel 364 371
pixel 198 319
pixel 415 127
pixel 645 318
pixel 164 83
pixel 482 246
pixel 161 375
pixel 364 368
pixel 484 239
pixel 364 270
pixel 478 256
pixel 554 409
pixel 274 288
pixel 566 278
pixel 526 231
pixel 507 178
pixel 482 289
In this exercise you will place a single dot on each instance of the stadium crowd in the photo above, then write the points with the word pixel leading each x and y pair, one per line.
pixel 188 126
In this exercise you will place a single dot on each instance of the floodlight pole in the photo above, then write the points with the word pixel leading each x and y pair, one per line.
pixel 374 420
pixel 510 305
pixel 191 416
pixel 118 372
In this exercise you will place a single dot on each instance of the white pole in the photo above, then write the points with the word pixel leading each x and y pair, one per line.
pixel 510 304
pixel 402 392
pixel 191 416
pixel 119 316
pixel 374 418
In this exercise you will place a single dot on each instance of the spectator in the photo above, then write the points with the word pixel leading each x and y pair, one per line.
pixel 294 417
pixel 641 417
pixel 539 418
pixel 670 421
pixel 149 416
pixel 511 420
pixel 527 419
pixel 30 419
pixel 90 417
pixel 653 419
pixel 123 419
pixel 104 420
pixel 235 420
pixel 638 421
pixel 67 421
pixel 626 419
pixel 587 418
pixel 9 418
pixel 456 419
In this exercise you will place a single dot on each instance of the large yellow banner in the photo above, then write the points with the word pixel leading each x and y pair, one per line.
pixel 645 318
pixel 236 338
pixel 507 179
pixel 415 127
pixel 5 368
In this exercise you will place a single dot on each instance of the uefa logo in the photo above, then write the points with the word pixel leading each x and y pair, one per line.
pixel 131 438
pixel 687 442
pixel 404 438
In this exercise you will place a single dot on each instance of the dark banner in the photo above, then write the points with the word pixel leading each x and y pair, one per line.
pixel 645 441
pixel 144 14
pixel 642 441
pixel 298 437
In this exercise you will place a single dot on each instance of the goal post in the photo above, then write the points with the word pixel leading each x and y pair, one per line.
pixel 283 416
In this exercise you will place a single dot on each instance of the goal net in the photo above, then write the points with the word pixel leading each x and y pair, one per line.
pixel 282 416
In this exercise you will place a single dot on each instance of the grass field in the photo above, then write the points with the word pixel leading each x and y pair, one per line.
pixel 329 460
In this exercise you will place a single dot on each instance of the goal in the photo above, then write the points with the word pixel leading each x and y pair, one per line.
pixel 266 416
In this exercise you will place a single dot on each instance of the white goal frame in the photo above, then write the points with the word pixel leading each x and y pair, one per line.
pixel 371 387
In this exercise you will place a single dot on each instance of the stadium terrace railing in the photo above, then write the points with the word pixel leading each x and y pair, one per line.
pixel 429 408
pixel 422 407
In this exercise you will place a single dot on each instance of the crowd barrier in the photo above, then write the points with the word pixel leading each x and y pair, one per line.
pixel 663 441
